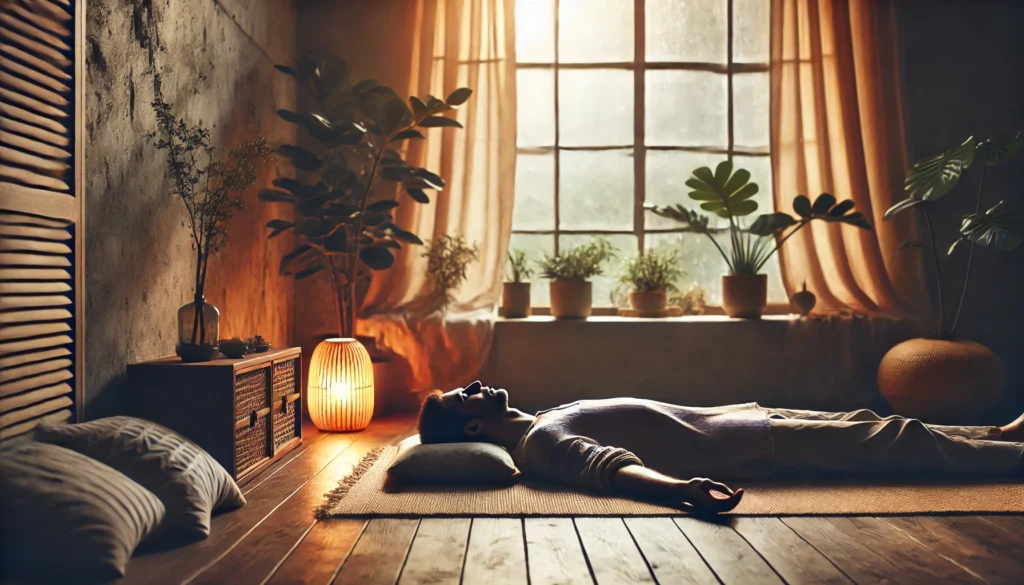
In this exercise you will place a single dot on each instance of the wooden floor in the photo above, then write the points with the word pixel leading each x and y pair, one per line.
pixel 276 539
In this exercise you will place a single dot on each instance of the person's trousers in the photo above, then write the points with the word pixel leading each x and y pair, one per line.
pixel 863 443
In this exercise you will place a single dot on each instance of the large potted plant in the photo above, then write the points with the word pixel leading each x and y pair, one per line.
pixel 211 191
pixel 727 193
pixel 649 276
pixel 943 376
pixel 569 272
pixel 515 293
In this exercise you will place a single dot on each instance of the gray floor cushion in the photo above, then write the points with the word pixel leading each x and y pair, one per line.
pixel 451 463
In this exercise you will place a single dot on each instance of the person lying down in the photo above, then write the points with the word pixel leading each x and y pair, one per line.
pixel 657 451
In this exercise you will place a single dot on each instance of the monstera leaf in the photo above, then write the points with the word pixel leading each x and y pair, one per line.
pixel 696 222
pixel 932 178
pixel 824 208
pixel 724 192
pixel 996 152
pixel 1000 228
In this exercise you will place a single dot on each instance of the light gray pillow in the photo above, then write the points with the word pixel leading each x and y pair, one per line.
pixel 69 519
pixel 451 463
pixel 189 482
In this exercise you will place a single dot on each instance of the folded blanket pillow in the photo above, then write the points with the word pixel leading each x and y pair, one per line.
pixel 189 482
pixel 451 463
pixel 66 518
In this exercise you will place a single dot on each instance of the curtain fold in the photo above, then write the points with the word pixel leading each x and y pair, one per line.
pixel 454 43
pixel 837 127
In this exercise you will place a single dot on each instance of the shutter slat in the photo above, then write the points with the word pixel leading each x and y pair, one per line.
pixel 32 61
pixel 23 288
pixel 44 202
pixel 41 21
pixel 30 88
pixel 37 274
pixel 32 103
pixel 34 330
pixel 31 178
pixel 24 399
pixel 34 315
pixel 35 147
pixel 28 358
pixel 53 8
pixel 33 260
pixel 28 29
pixel 8 302
pixel 25 116
pixel 34 75
pixel 19 244
pixel 10 127
pixel 33 369
pixel 53 167
pixel 48 53
pixel 21 219
pixel 39 233
pixel 35 411
pixel 15 432
pixel 37 343
pixel 48 379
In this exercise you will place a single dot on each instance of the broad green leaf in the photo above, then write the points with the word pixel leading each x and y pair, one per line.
pixel 855 219
pixel 435 181
pixel 746 192
pixel 419 195
pixel 1001 227
pixel 458 97
pixel 377 257
pixel 388 111
pixel 419 109
pixel 301 158
pixel 932 178
pixel 743 208
pixel 738 181
pixel 439 122
pixel 287 70
pixel 389 244
pixel 406 134
pixel 712 206
pixel 899 207
pixel 375 219
pixel 275 195
pixel 823 204
pixel 770 223
pixel 288 258
pixel 278 226
pixel 310 271
pixel 841 208
pixel 802 206
pixel 337 242
pixel 722 173
pixel 295 186
pixel 383 205
pixel 996 152
pixel 404 235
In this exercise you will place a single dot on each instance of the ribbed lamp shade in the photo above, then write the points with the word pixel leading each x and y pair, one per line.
pixel 340 392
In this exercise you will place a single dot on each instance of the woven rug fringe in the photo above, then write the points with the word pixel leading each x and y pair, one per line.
pixel 334 496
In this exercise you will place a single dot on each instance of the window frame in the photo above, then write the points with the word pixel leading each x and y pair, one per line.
pixel 639 65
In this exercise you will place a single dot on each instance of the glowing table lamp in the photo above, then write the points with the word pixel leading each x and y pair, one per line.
pixel 340 391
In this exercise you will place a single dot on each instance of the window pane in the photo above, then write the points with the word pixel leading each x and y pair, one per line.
pixel 595 107
pixel 760 168
pixel 595 31
pixel 605 285
pixel 751 25
pixel 536 107
pixel 686 30
pixel 686 108
pixel 535 31
pixel 535 192
pixel 535 246
pixel 699 258
pixel 667 172
pixel 596 190
pixel 750 99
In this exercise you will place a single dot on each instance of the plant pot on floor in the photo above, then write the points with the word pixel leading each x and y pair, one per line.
pixel 515 300
pixel 648 303
pixel 571 299
pixel 744 296
pixel 940 380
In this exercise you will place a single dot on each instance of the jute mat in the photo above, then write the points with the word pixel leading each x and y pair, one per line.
pixel 365 493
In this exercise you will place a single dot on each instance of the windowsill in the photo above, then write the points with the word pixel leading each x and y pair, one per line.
pixel 660 320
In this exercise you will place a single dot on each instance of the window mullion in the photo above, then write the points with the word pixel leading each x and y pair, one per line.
pixel 729 73
pixel 639 106
pixel 558 162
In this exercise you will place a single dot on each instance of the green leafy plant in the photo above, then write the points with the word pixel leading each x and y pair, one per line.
pixel 655 270
pixel 578 263
pixel 447 260
pixel 518 266
pixel 1000 227
pixel 210 188
pixel 727 193
pixel 344 230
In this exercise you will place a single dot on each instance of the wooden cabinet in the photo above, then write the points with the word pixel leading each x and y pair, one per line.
pixel 246 412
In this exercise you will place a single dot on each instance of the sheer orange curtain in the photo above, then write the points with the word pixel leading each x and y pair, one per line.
pixel 455 43
pixel 837 127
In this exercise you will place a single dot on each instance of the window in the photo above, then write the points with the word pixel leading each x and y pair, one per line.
pixel 619 100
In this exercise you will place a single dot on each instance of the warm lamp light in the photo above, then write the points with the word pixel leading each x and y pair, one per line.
pixel 340 391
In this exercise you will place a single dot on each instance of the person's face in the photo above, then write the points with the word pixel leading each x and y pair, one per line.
pixel 477 402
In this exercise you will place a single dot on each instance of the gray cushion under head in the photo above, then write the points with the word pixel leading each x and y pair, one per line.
pixel 65 518
pixel 189 482
pixel 451 463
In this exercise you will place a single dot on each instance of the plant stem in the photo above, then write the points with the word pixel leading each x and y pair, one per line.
pixel 728 261
pixel 337 295
pixel 938 273
pixel 799 225
pixel 970 259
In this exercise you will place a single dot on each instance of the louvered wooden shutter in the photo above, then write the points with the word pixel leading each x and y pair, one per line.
pixel 41 208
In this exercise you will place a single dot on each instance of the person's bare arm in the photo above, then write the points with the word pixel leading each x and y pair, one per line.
pixel 700 493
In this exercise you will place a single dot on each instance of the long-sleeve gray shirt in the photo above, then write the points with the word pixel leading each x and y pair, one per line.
pixel 585 442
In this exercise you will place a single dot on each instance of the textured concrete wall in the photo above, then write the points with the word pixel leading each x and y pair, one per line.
pixel 216 58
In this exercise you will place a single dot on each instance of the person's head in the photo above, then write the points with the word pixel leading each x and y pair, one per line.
pixel 462 414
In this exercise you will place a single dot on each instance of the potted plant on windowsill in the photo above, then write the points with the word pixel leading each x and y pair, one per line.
pixel 942 376
pixel 649 276
pixel 515 294
pixel 727 194
pixel 569 271
pixel 447 260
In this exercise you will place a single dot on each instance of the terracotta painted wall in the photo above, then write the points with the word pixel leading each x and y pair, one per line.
pixel 216 58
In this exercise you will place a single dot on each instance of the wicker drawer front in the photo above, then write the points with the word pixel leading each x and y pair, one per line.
pixel 285 378
pixel 287 410
pixel 286 424
pixel 252 392
pixel 252 444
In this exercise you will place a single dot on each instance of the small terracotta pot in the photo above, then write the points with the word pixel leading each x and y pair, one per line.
pixel 648 303
pixel 744 296
pixel 571 299
pixel 515 300
pixel 940 380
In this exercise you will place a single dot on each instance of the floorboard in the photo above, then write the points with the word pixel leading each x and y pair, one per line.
pixel 853 557
pixel 732 559
pixel 379 554
pixel 669 554
pixel 438 552
pixel 797 562
pixel 320 554
pixel 554 552
pixel 497 552
pixel 310 435
pixel 614 557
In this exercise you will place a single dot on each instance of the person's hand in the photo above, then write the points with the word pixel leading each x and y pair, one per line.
pixel 710 497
